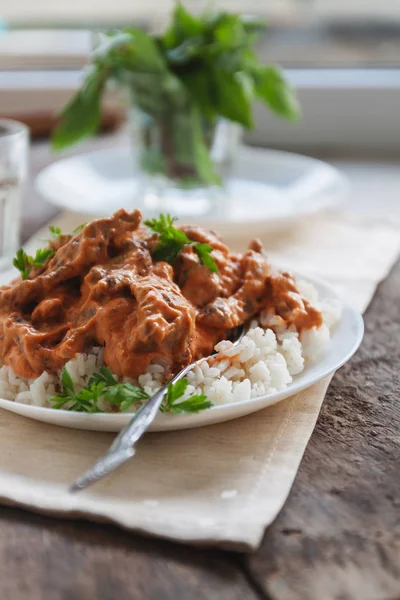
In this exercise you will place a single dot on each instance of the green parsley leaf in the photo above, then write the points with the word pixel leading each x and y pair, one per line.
pixel 105 376
pixel 84 401
pixel 24 263
pixel 20 262
pixel 204 253
pixel 67 385
pixel 59 402
pixel 79 228
pixel 176 390
pixel 55 231
pixel 102 384
pixel 193 404
pixel 173 240
pixel 42 255
pixel 124 395
pixel 161 225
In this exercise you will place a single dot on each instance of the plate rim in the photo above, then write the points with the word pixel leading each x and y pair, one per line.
pixel 256 404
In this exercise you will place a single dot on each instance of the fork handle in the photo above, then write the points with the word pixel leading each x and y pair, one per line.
pixel 142 419
pixel 123 447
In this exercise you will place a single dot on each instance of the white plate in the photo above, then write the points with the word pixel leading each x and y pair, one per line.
pixel 346 338
pixel 270 187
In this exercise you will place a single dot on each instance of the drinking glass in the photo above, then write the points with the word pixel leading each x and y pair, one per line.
pixel 14 141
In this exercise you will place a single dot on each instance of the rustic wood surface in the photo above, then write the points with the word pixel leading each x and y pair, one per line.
pixel 337 538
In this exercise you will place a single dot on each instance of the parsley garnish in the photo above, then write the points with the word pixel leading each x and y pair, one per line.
pixel 173 240
pixel 79 228
pixel 20 262
pixel 41 256
pixel 193 404
pixel 24 263
pixel 102 384
pixel 103 376
pixel 55 231
pixel 204 253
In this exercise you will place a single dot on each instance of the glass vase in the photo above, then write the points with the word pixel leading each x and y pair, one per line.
pixel 182 159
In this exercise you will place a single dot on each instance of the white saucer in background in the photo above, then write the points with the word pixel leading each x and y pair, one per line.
pixel 270 188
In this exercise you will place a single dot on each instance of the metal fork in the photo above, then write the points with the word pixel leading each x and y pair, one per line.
pixel 123 447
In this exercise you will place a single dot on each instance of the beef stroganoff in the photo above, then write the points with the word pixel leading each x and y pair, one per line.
pixel 101 317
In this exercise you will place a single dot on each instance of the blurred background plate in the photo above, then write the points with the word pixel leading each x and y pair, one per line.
pixel 270 188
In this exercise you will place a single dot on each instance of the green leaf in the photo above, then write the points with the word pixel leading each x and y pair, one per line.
pixel 167 251
pixel 203 162
pixel 185 52
pixel 172 240
pixel 24 263
pixel 176 390
pixel 229 30
pixel 184 25
pixel 86 400
pixel 20 262
pixel 162 224
pixel 124 393
pixel 55 231
pixel 81 116
pixel 79 228
pixel 234 96
pixel 131 49
pixel 204 253
pixel 41 256
pixel 102 384
pixel 201 89
pixel 67 384
pixel 104 375
pixel 276 92
pixel 60 401
pixel 193 404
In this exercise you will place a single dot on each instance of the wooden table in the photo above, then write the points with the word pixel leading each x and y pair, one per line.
pixel 337 538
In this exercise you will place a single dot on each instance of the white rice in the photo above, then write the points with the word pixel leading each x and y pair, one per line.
pixel 265 361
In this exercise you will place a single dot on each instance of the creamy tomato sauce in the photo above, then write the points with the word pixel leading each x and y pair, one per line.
pixel 102 288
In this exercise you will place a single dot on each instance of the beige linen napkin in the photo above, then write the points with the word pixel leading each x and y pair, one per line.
pixel 217 485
